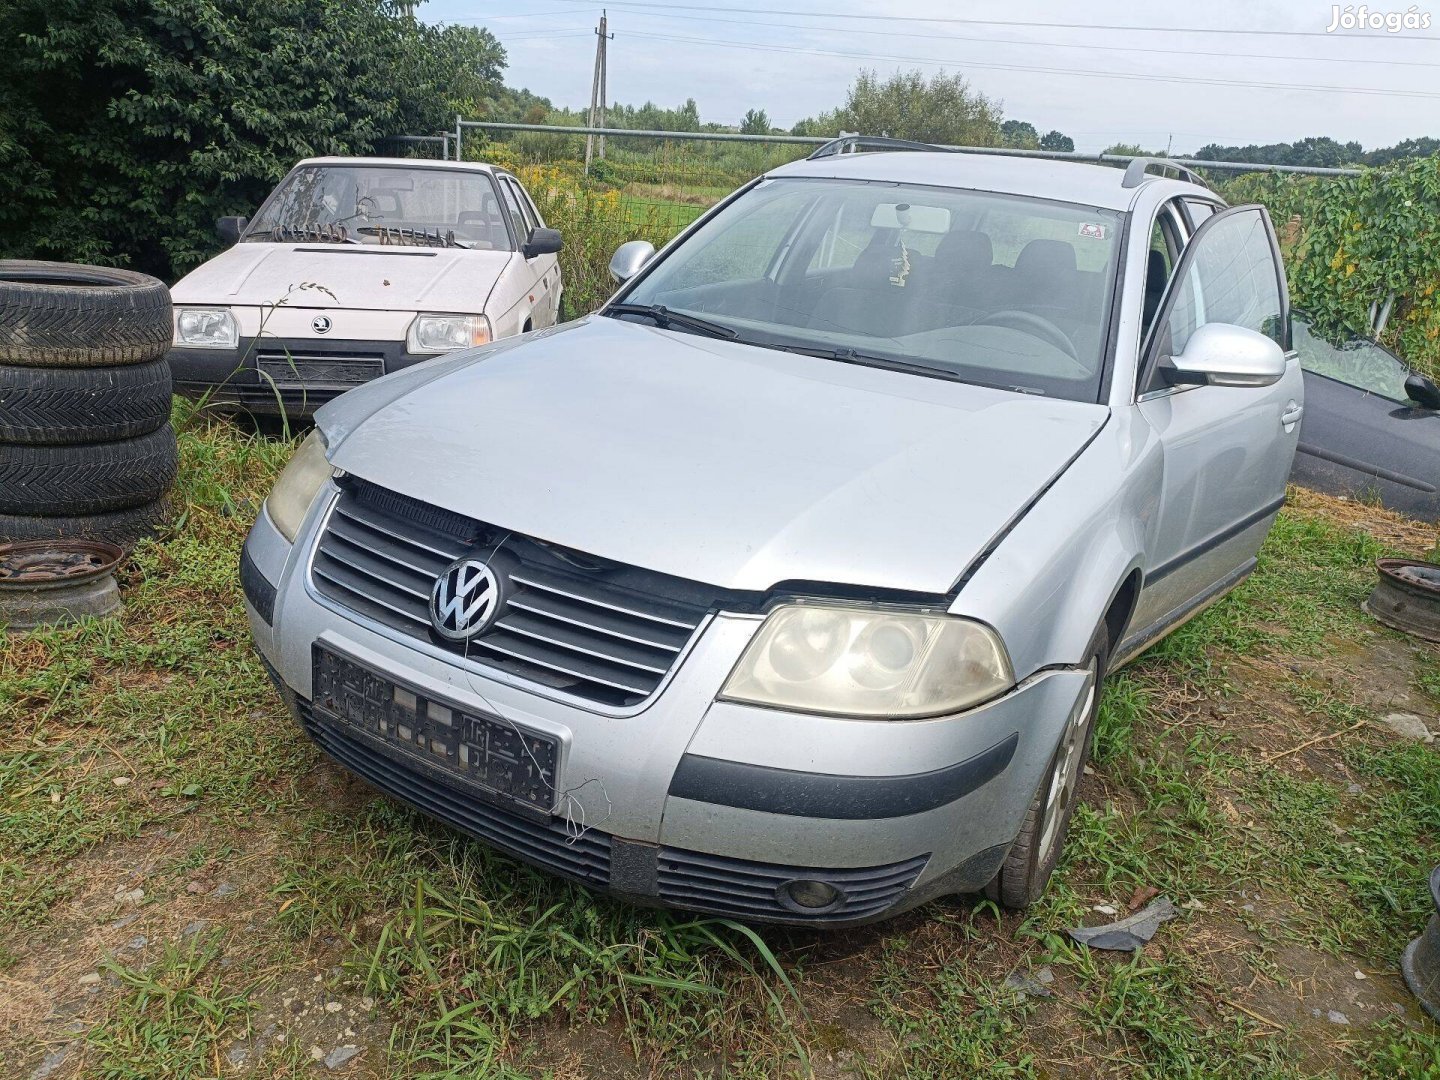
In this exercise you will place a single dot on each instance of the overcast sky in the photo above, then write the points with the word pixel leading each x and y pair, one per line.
pixel 666 53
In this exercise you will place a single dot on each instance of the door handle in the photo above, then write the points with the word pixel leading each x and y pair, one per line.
pixel 1293 411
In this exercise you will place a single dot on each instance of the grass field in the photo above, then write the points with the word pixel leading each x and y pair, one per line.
pixel 188 890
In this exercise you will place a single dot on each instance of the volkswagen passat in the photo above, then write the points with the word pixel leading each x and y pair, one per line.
pixel 784 585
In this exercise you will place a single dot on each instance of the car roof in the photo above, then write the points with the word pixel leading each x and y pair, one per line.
pixel 1040 178
pixel 416 163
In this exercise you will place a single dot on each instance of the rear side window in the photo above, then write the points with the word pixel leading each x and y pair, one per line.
pixel 1231 277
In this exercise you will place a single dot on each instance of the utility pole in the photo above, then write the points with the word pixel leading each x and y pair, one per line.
pixel 597 92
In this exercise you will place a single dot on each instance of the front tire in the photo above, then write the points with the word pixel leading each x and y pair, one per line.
pixel 1022 877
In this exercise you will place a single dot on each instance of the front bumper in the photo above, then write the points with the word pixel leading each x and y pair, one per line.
pixel 688 802
pixel 284 376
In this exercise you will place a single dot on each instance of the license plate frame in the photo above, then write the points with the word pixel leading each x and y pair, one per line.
pixel 491 757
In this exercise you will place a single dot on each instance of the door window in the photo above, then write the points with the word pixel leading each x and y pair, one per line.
pixel 517 215
pixel 1355 362
pixel 1229 275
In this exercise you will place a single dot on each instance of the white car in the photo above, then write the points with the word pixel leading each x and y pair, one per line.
pixel 356 267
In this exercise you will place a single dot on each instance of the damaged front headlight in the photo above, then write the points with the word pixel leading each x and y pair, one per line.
pixel 872 663
pixel 206 328
pixel 299 483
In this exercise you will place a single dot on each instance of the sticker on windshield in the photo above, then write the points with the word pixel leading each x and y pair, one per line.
pixel 1094 232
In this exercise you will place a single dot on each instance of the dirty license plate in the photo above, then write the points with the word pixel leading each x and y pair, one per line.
pixel 499 756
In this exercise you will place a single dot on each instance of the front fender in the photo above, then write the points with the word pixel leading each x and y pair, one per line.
pixel 1049 581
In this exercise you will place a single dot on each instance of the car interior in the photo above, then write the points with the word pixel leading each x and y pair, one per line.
pixel 919 291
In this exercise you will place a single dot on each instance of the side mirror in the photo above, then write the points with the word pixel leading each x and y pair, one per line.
pixel 1422 390
pixel 629 258
pixel 1220 354
pixel 542 242
pixel 230 228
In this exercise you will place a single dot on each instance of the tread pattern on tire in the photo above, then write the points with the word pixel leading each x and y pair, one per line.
pixel 61 406
pixel 87 479
pixel 123 527
pixel 100 317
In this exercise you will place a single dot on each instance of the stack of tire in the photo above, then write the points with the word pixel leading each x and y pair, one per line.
pixel 86 447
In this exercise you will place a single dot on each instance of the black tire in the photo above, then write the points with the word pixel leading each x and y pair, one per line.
pixel 1022 877
pixel 68 315
pixel 62 406
pixel 125 528
pixel 89 479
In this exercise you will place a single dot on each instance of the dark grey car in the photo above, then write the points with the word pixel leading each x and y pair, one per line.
pixel 1371 428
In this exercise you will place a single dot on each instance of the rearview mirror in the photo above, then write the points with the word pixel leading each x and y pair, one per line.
pixel 1220 354
pixel 1422 390
pixel 629 258
pixel 230 228
pixel 542 242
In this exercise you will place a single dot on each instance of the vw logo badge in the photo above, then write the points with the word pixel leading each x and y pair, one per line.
pixel 465 599
pixel 321 324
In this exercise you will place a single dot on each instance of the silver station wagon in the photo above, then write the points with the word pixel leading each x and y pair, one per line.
pixel 784 585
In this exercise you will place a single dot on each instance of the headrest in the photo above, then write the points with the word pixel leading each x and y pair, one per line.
pixel 965 248
pixel 1046 257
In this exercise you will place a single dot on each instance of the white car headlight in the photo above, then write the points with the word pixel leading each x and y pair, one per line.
pixel 206 328
pixel 869 662
pixel 442 333
pixel 298 485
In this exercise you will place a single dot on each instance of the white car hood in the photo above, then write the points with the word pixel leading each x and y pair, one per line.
pixel 356 276
pixel 723 463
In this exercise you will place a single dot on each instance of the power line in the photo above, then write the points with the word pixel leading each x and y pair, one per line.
pixel 1085 72
pixel 1045 44
pixel 1009 22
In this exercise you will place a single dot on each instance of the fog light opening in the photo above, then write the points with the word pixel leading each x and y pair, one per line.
pixel 810 897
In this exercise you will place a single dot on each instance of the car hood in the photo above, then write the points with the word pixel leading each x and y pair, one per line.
pixel 719 462
pixel 345 275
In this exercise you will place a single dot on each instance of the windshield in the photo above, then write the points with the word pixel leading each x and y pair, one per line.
pixel 379 204
pixel 974 286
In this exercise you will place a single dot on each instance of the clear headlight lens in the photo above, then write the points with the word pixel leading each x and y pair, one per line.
pixel 442 333
pixel 873 663
pixel 206 328
pixel 298 485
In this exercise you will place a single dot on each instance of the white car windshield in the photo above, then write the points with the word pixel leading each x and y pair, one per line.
pixel 972 286
pixel 384 205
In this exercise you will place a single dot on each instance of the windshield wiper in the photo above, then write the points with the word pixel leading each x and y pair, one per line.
pixel 665 318
pixel 850 356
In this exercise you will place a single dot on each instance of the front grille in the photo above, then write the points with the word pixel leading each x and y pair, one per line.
pixel 601 630
pixel 319 369
pixel 722 885
pixel 548 845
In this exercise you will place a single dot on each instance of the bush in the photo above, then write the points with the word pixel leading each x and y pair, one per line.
pixel 128 126
pixel 1350 242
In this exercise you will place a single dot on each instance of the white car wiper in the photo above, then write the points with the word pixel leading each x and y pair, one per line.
pixel 665 318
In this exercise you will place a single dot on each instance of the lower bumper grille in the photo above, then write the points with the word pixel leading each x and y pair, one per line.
pixel 261 398
pixel 716 883
pixel 548 846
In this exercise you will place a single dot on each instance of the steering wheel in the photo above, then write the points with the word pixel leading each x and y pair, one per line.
pixel 1027 322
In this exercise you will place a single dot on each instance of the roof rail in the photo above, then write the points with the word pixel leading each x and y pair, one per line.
pixel 850 143
pixel 1136 171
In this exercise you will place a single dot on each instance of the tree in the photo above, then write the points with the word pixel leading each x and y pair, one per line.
pixel 128 126
pixel 1019 135
pixel 755 123
pixel 940 109
pixel 1055 140
pixel 1130 150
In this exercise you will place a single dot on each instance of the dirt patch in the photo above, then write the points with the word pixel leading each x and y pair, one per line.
pixel 1394 530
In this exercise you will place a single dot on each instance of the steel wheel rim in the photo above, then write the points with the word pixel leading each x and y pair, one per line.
pixel 1066 775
